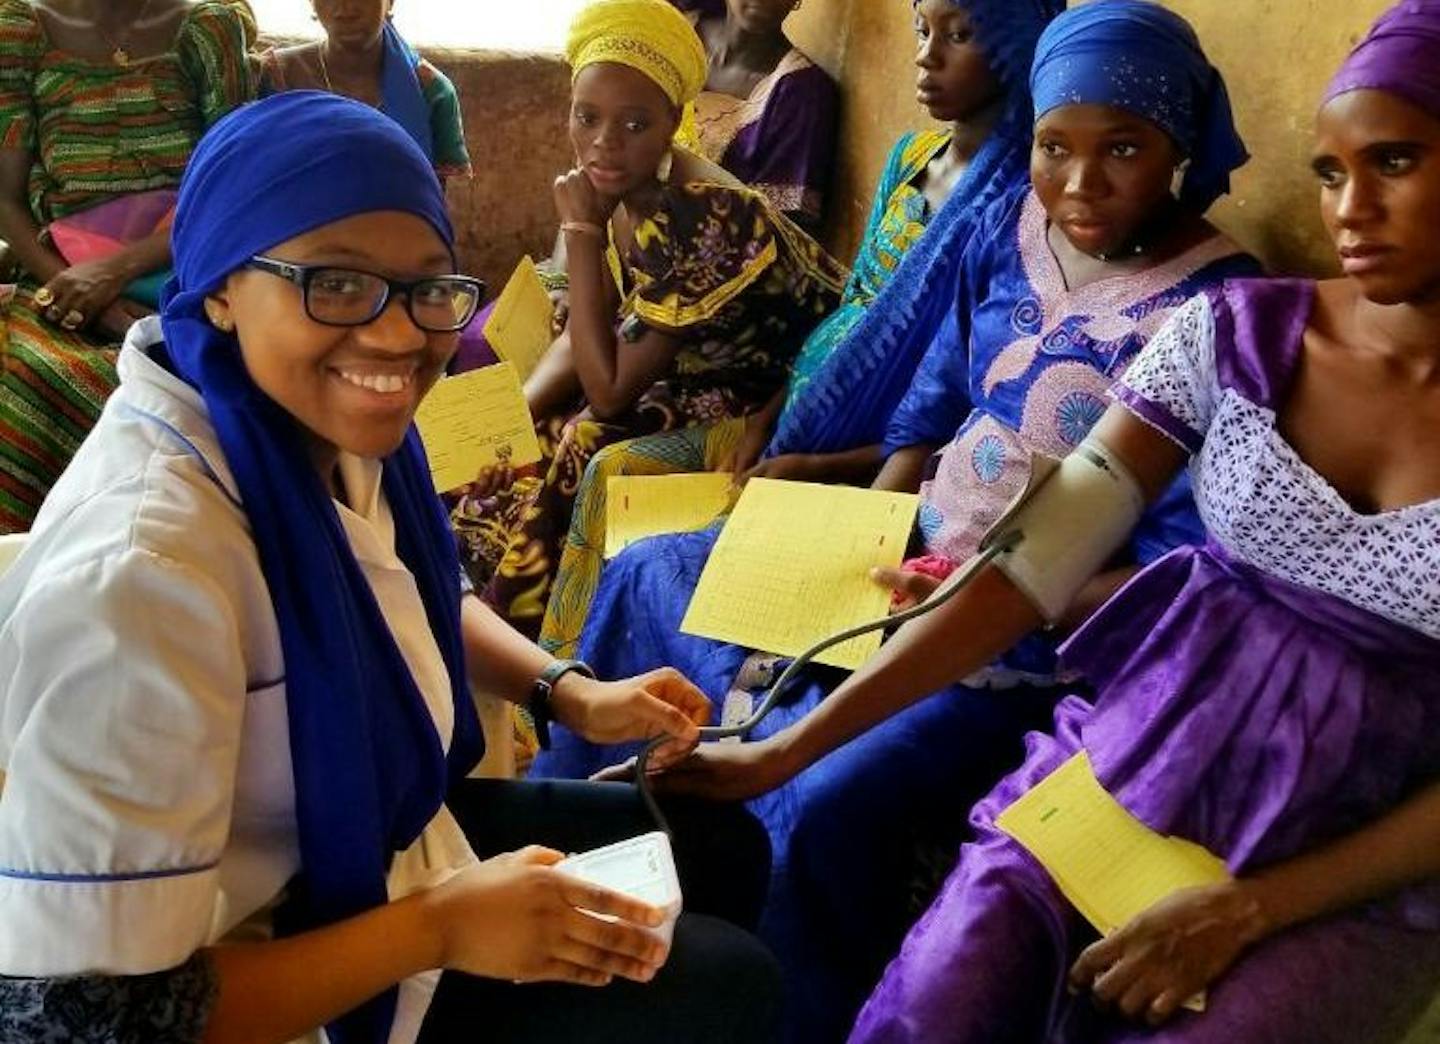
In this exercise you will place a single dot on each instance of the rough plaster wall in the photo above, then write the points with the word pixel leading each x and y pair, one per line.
pixel 820 28
pixel 514 107
pixel 1276 56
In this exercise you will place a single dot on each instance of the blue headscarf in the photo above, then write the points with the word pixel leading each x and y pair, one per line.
pixel 401 96
pixel 851 396
pixel 1137 56
pixel 368 765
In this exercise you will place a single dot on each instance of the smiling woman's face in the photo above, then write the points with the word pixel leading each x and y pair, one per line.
pixel 355 388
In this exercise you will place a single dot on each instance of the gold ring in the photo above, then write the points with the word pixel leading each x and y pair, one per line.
pixel 73 320
pixel 44 298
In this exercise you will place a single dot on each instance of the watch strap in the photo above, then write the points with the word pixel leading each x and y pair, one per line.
pixel 541 712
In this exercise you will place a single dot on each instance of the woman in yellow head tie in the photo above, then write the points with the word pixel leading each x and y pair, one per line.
pixel 690 296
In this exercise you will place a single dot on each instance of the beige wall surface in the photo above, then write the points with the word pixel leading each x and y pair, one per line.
pixel 515 109
pixel 1276 56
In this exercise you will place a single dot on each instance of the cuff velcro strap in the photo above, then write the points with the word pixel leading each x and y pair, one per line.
pixel 1064 528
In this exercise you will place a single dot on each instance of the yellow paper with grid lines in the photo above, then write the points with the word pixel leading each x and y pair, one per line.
pixel 1111 866
pixel 476 419
pixel 519 325
pixel 792 567
pixel 640 506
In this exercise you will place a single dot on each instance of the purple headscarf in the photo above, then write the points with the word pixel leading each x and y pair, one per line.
pixel 1400 55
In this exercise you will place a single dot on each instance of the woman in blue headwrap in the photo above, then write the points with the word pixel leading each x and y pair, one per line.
pixel 237 665
pixel 1272 695
pixel 363 56
pixel 1062 283
pixel 973 61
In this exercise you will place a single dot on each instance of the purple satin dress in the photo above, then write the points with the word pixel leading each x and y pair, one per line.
pixel 1260 695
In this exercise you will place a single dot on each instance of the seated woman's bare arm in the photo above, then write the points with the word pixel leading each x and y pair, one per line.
pixel 904 469
pixel 613 385
pixel 612 372
pixel 856 467
pixel 923 656
pixel 1187 941
pixel 17 225
pixel 553 388
pixel 510 917
pixel 91 289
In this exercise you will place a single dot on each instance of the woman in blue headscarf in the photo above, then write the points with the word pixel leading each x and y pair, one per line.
pixel 973 64
pixel 1064 280
pixel 1272 695
pixel 237 664
pixel 363 56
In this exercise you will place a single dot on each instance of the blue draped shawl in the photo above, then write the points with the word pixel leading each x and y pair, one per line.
pixel 368 765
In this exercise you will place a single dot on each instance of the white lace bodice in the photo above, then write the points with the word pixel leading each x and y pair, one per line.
pixel 1263 503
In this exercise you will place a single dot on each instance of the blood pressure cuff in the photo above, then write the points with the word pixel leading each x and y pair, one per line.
pixel 1072 517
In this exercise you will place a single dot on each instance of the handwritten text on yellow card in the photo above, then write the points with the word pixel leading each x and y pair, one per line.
pixel 476 419
pixel 792 567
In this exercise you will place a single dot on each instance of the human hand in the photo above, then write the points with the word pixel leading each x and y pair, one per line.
pixel 494 479
pixel 909 589
pixel 792 467
pixel 660 703
pixel 727 771
pixel 76 296
pixel 115 322
pixel 516 917
pixel 1171 952
pixel 577 200
pixel 559 311
pixel 746 452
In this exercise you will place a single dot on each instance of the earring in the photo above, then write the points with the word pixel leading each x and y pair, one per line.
pixel 223 323
pixel 662 171
pixel 1177 178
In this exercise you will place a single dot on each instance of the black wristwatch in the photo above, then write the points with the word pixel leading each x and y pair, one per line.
pixel 539 703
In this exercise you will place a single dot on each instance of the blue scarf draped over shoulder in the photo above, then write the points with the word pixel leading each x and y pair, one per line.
pixel 402 98
pixel 368 764
pixel 848 401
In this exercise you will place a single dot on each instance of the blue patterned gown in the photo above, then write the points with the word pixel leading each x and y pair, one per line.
pixel 1021 365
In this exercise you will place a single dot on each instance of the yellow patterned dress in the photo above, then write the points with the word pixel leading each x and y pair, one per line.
pixel 744 286
pixel 898 218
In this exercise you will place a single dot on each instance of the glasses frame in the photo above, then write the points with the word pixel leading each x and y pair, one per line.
pixel 302 276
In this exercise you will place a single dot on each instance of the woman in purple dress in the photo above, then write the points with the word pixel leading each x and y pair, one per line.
pixel 768 114
pixel 1272 694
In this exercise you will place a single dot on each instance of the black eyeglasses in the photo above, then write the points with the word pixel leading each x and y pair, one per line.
pixel 349 297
